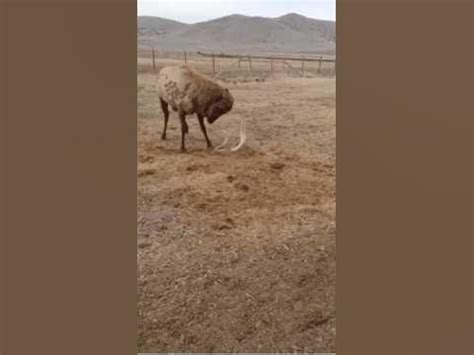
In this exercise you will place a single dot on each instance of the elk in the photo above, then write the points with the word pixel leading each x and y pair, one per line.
pixel 189 92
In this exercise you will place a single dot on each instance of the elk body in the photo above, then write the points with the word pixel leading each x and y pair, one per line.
pixel 188 92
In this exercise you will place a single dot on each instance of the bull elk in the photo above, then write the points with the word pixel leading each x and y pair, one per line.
pixel 189 92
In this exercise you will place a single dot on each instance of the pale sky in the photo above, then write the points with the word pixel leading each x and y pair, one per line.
pixel 191 11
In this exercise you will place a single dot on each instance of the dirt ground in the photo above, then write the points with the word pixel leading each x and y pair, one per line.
pixel 236 251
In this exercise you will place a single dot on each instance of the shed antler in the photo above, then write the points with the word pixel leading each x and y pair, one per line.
pixel 221 146
pixel 243 138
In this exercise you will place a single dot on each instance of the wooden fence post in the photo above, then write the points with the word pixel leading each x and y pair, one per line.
pixel 213 64
pixel 185 57
pixel 250 64
pixel 239 62
pixel 302 68
pixel 271 67
pixel 319 66
pixel 154 65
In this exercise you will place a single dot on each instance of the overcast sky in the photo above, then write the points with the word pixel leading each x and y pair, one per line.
pixel 191 11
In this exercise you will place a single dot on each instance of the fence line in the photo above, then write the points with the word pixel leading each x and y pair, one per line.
pixel 284 59
pixel 320 59
pixel 269 57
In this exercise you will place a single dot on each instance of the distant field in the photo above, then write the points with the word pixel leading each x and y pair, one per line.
pixel 237 251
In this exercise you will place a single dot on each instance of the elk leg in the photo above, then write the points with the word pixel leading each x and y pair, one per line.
pixel 184 128
pixel 203 129
pixel 166 112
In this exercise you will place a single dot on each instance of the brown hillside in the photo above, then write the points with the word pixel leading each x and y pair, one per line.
pixel 291 33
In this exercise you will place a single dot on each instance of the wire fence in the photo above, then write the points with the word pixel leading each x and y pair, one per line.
pixel 232 66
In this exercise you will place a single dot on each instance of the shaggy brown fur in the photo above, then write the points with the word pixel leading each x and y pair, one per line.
pixel 189 92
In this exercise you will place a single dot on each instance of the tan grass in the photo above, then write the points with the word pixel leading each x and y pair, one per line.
pixel 237 250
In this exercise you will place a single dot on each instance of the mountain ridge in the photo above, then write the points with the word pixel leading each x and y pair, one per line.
pixel 290 33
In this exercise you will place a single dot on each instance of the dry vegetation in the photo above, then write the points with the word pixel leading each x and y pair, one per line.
pixel 236 251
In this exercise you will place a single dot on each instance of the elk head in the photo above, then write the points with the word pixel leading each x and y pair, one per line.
pixel 221 105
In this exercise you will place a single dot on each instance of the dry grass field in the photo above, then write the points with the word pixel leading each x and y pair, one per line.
pixel 236 251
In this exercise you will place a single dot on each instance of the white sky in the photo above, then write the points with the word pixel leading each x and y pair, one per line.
pixel 191 11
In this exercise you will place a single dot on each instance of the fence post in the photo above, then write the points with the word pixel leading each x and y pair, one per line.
pixel 154 65
pixel 213 64
pixel 185 57
pixel 302 68
pixel 250 64
pixel 271 66
pixel 319 67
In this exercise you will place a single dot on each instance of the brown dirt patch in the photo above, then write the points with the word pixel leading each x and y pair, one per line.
pixel 236 251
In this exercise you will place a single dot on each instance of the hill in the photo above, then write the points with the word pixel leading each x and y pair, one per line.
pixel 157 26
pixel 291 33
